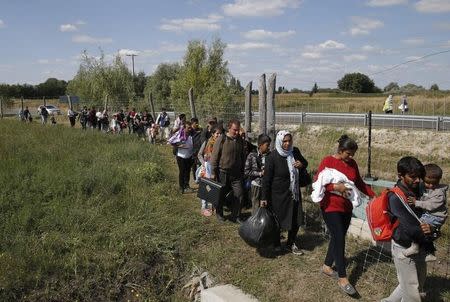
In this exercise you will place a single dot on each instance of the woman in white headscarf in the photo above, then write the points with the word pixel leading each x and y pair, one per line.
pixel 281 189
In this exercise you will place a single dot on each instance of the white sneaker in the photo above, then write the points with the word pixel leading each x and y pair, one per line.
pixel 296 251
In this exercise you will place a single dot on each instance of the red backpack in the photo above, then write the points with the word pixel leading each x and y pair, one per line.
pixel 378 218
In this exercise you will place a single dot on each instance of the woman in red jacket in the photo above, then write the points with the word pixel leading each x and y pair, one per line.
pixel 337 209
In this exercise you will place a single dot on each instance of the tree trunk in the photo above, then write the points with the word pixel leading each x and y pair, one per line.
pixel 191 102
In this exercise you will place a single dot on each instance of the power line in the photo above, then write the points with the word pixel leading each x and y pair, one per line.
pixel 410 61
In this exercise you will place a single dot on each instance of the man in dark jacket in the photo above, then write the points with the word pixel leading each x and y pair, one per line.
pixel 227 164
pixel 411 271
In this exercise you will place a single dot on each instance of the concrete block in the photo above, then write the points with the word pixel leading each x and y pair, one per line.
pixel 225 293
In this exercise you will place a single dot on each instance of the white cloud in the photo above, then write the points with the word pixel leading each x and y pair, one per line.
pixel 368 48
pixel 90 40
pixel 312 55
pixel 261 34
pixel 80 22
pixel 433 6
pixel 68 28
pixel 355 57
pixel 414 41
pixel 250 45
pixel 381 3
pixel 259 8
pixel 192 24
pixel 43 61
pixel 2 24
pixel 128 52
pixel 330 44
pixel 325 46
pixel 363 26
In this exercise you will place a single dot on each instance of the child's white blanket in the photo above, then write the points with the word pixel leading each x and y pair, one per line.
pixel 333 176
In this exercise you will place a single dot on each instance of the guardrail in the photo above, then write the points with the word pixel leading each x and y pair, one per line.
pixel 438 123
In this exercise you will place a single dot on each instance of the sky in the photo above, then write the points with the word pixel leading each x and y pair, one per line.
pixel 302 41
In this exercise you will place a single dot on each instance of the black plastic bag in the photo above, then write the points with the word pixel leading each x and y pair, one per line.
pixel 305 178
pixel 260 230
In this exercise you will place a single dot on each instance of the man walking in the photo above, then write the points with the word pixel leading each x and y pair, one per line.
pixel 163 121
pixel 227 165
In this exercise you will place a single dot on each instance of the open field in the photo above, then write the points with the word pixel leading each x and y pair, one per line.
pixel 92 217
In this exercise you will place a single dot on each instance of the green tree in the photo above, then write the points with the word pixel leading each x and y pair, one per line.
pixel 139 81
pixel 52 88
pixel 159 84
pixel 356 82
pixel 392 86
pixel 434 87
pixel 97 80
pixel 235 86
pixel 412 88
pixel 315 89
pixel 205 70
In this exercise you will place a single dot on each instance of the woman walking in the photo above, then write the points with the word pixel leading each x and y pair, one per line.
pixel 337 208
pixel 281 189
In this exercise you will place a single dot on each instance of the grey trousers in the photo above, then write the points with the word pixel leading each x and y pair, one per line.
pixel 255 196
pixel 411 275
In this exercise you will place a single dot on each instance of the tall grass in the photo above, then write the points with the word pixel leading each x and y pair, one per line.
pixel 81 217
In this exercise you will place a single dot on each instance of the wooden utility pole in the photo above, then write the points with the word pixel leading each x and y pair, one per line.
pixel 1 107
pixel 152 106
pixel 21 103
pixel 70 102
pixel 248 108
pixel 44 101
pixel 271 108
pixel 191 102
pixel 262 104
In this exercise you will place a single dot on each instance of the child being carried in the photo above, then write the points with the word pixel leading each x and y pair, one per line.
pixel 433 202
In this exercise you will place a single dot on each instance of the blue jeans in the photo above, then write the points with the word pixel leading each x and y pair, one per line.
pixel 435 221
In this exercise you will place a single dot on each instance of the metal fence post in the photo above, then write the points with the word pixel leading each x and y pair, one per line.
pixel 369 145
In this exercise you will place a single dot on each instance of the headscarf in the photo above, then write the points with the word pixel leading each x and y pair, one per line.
pixel 289 155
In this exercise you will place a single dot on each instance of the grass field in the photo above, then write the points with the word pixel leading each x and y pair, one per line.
pixel 86 216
